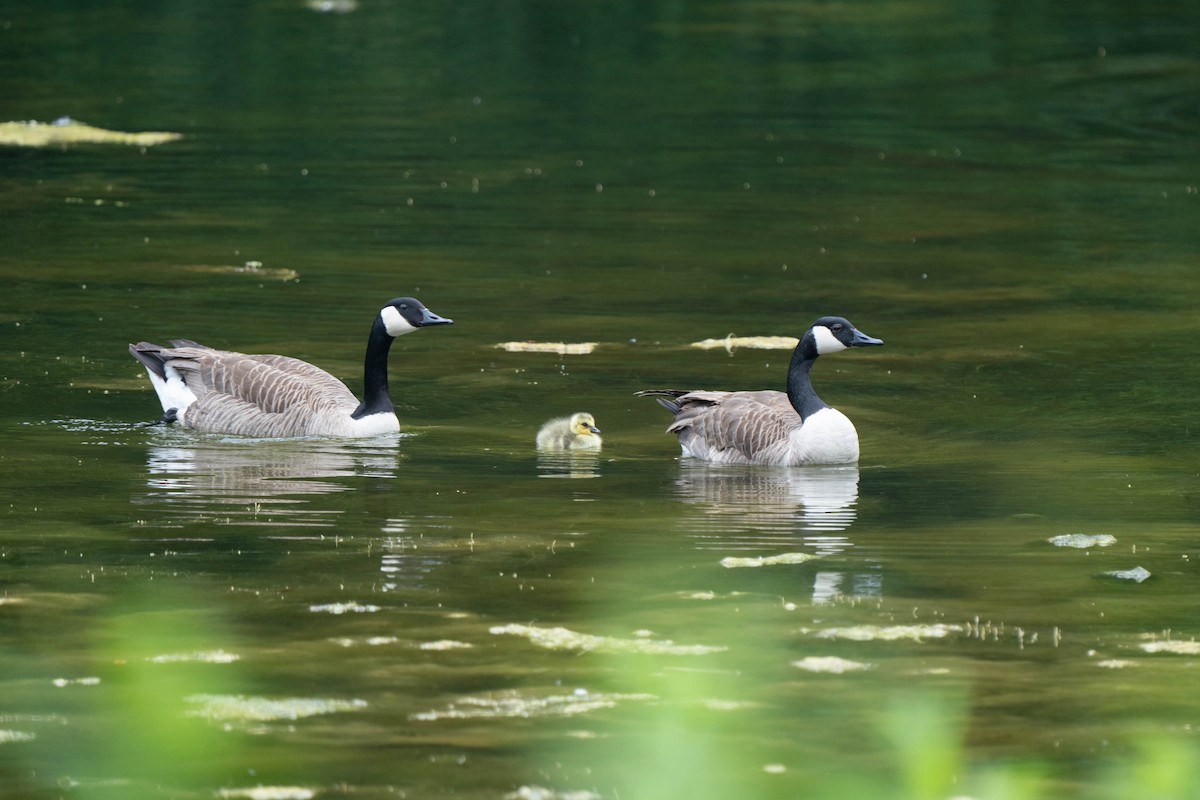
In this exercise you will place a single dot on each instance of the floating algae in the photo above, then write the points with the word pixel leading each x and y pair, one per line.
pixel 64 131
pixel 1178 648
pixel 890 633
pixel 767 561
pixel 1083 540
pixel 352 607
pixel 559 348
pixel 332 6
pixel 831 664
pixel 198 657
pixel 237 708
pixel 731 343
pixel 1137 574
pixel 254 269
pixel 64 682
pixel 566 639
pixel 445 644
pixel 511 704
pixel 541 793
pixel 269 793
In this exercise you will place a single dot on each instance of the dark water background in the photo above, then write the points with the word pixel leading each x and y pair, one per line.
pixel 1005 193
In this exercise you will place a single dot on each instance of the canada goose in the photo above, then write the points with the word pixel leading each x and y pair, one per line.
pixel 771 427
pixel 220 391
pixel 576 432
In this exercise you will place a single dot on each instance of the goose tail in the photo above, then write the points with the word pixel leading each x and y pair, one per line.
pixel 667 398
pixel 170 386
pixel 150 357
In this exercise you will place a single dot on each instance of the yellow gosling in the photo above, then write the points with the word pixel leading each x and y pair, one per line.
pixel 576 432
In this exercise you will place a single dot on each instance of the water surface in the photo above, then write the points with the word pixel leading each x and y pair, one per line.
pixel 1007 196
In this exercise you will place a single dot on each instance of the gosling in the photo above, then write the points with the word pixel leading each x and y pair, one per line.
pixel 576 432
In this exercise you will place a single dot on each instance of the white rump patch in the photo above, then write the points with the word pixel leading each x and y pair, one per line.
pixel 394 322
pixel 173 392
pixel 826 342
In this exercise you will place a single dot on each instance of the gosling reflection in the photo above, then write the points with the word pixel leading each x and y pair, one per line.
pixel 568 464
pixel 258 483
pixel 756 509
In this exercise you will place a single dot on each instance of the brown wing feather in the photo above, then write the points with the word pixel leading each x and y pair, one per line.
pixel 734 426
pixel 266 395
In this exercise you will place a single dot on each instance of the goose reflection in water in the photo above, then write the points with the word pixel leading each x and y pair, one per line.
pixel 756 509
pixel 258 482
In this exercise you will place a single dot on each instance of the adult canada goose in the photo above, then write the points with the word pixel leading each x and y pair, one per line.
pixel 220 391
pixel 576 432
pixel 771 427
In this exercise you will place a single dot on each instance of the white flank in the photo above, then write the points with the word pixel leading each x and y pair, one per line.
pixel 826 342
pixel 394 322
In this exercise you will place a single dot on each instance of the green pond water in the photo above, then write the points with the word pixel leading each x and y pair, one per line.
pixel 1007 194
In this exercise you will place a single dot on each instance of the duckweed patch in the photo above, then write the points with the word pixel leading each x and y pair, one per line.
pixel 566 639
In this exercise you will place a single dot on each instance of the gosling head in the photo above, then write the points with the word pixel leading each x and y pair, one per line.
pixel 407 314
pixel 583 424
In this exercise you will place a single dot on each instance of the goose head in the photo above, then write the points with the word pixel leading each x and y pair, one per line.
pixel 407 314
pixel 834 334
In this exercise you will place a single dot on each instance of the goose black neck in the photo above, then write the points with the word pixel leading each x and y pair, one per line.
pixel 799 385
pixel 376 399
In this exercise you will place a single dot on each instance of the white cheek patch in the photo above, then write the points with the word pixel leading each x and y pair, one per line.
pixel 826 342
pixel 394 322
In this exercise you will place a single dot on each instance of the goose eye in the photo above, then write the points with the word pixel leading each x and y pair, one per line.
pixel 837 326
